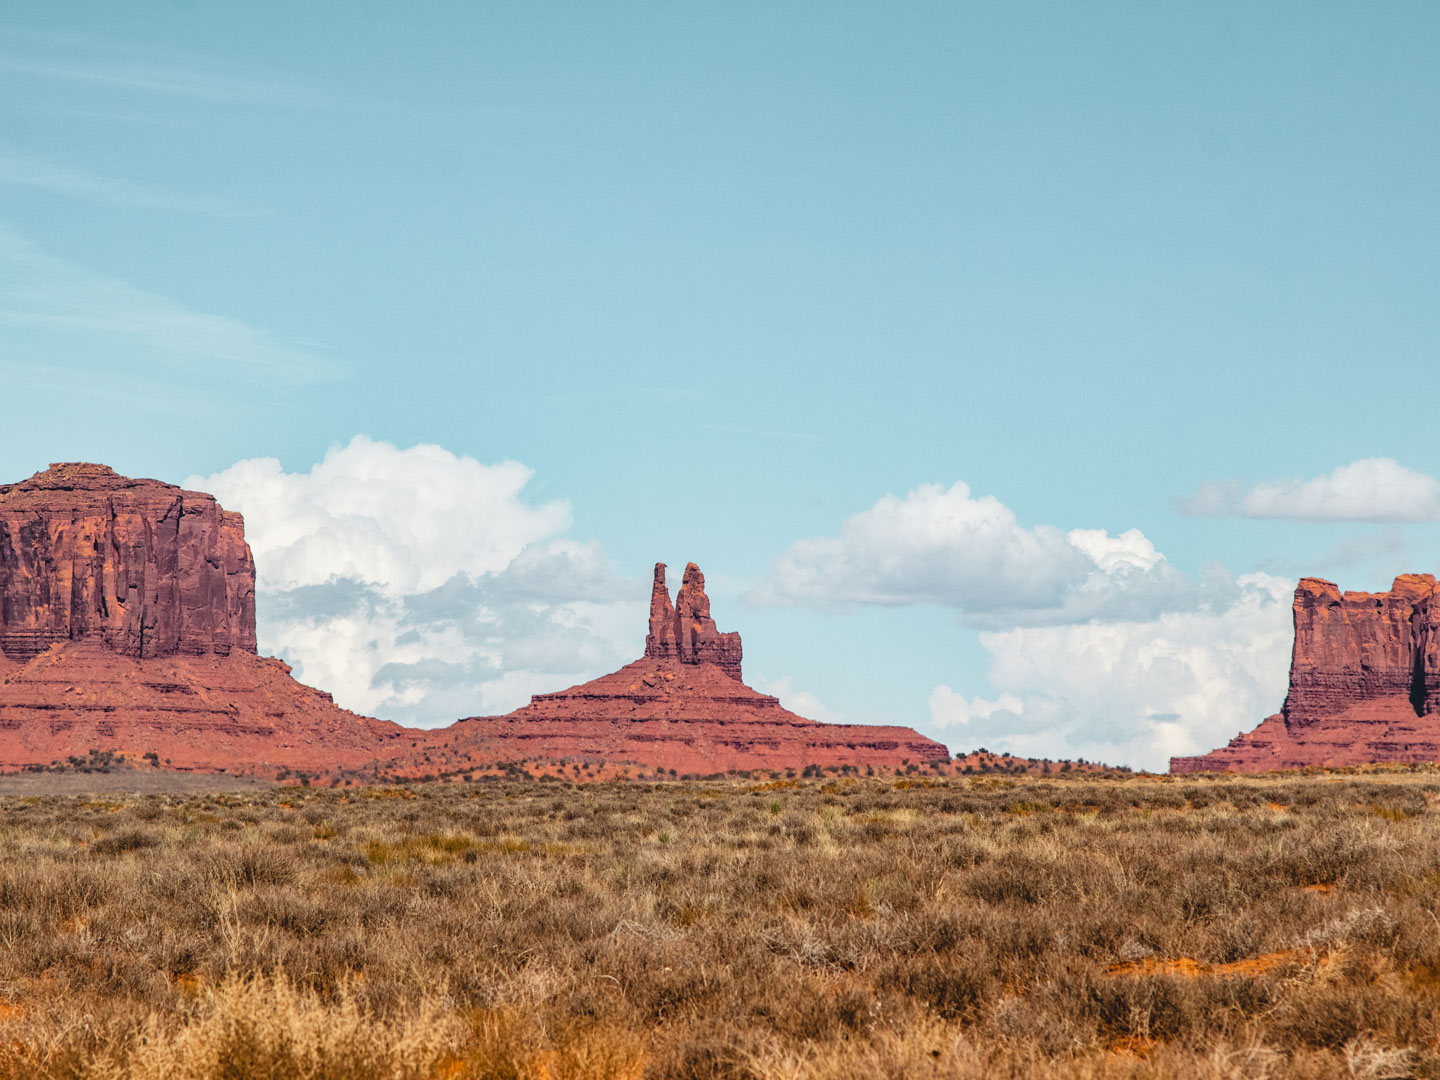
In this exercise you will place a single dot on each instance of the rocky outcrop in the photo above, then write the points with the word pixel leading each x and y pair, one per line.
pixel 145 568
pixel 1353 648
pixel 1364 683
pixel 682 706
pixel 685 631
pixel 127 624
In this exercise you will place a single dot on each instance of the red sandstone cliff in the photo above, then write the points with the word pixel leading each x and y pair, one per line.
pixel 145 567
pixel 681 706
pixel 127 623
pixel 1364 684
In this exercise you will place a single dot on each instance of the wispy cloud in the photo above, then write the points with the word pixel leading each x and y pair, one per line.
pixel 21 168
pixel 118 389
pixel 165 79
pixel 48 295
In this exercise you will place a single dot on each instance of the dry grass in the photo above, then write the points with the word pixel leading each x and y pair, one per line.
pixel 989 927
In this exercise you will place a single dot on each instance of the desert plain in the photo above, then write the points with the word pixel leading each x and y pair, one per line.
pixel 1279 925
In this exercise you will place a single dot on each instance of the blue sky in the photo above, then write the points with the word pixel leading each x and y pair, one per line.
pixel 723 278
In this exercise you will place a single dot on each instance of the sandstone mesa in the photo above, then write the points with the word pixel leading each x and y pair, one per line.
pixel 1364 684
pixel 127 625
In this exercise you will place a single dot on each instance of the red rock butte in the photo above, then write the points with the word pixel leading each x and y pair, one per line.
pixel 681 706
pixel 1364 684
pixel 127 623
pixel 142 567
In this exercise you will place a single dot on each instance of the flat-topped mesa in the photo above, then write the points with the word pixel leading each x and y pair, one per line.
pixel 1364 683
pixel 1356 647
pixel 146 568
pixel 685 631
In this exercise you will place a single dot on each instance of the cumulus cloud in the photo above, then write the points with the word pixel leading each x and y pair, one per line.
pixel 1098 647
pixel 951 710
pixel 421 586
pixel 1130 692
pixel 947 546
pixel 1372 489
pixel 404 521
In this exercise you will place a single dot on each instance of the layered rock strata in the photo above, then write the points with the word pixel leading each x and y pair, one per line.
pixel 240 713
pixel 681 706
pixel 1364 684
pixel 127 624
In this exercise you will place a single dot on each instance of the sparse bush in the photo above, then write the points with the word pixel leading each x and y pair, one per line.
pixel 129 840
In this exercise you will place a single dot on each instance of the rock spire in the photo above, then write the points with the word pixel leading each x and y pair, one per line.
pixel 685 631
pixel 682 707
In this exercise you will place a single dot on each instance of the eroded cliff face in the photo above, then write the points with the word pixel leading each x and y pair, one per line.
pixel 148 569
pixel 685 631
pixel 1364 683
pixel 1354 647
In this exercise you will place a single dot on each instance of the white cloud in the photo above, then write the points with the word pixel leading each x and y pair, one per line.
pixel 949 709
pixel 934 544
pixel 419 585
pixel 1372 489
pixel 405 521
pixel 800 702
pixel 1133 692
pixel 1129 550
pixel 946 546
pixel 1098 646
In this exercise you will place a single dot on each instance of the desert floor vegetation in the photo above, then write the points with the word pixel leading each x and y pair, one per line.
pixel 822 928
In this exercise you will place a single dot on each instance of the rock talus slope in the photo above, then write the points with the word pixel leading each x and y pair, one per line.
pixel 1364 684
pixel 127 624
pixel 681 706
